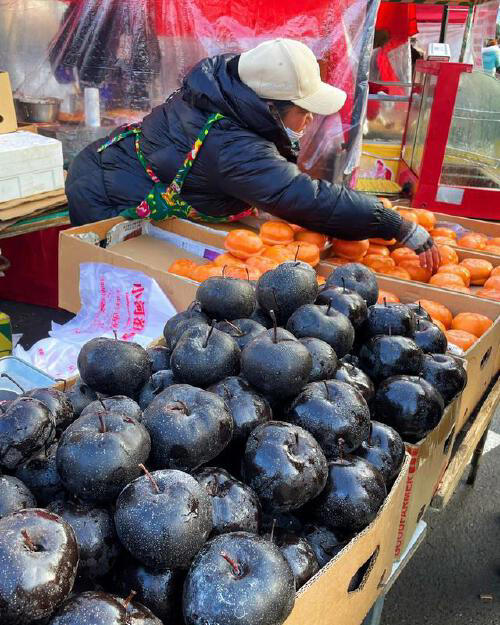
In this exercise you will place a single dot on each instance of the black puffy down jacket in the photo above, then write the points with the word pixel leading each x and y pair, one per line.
pixel 246 160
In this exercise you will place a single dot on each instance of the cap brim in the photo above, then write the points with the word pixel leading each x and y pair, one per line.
pixel 326 101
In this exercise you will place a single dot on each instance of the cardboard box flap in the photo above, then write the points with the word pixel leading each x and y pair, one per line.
pixel 8 121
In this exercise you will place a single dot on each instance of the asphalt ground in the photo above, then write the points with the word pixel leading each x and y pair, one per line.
pixel 454 578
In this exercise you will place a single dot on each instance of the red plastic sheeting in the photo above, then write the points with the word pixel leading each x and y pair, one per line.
pixel 33 275
pixel 429 13
pixel 400 20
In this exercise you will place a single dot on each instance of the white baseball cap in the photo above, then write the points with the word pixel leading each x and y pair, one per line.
pixel 285 69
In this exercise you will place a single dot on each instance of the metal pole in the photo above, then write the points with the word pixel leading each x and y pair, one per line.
pixel 468 27
pixel 444 24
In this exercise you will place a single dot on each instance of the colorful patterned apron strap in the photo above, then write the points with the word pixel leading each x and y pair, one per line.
pixel 164 201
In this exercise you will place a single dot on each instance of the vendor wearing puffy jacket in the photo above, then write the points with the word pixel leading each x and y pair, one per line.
pixel 226 142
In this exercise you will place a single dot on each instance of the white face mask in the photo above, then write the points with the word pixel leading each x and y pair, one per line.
pixel 294 136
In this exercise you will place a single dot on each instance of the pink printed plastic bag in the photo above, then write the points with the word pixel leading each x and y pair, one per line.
pixel 113 300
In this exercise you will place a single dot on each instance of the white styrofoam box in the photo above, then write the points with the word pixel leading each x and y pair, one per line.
pixel 29 164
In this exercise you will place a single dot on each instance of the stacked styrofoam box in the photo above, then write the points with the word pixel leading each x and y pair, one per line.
pixel 29 164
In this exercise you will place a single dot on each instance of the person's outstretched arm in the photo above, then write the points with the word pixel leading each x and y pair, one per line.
pixel 254 172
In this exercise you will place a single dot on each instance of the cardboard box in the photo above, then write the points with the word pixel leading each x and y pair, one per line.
pixel 490 228
pixel 8 121
pixel 325 599
pixel 428 461
pixel 145 253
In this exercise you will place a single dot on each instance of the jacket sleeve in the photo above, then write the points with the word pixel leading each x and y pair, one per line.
pixel 252 170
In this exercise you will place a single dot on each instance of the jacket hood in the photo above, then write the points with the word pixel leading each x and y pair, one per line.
pixel 214 86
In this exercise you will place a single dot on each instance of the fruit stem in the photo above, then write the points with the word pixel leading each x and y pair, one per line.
pixel 296 253
pixel 343 284
pixel 224 271
pixel 205 344
pixel 150 478
pixel 64 383
pixel 234 327
pixel 271 538
pixel 6 375
pixel 248 274
pixel 275 326
pixel 102 429
pixel 127 601
pixel 174 406
pixel 385 301
pixel 232 563
pixel 329 306
pixel 116 335
pixel 27 541
pixel 327 390
pixel 341 449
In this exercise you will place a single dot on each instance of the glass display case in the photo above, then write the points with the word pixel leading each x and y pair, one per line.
pixel 451 147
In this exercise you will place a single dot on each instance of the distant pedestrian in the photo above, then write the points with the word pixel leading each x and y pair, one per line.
pixel 491 57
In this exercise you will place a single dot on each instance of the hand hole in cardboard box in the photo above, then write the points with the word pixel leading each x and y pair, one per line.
pixel 361 576
pixel 485 358
pixel 449 440
pixel 1 118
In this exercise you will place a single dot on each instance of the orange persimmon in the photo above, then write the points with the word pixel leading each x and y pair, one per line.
pixel 182 267
pixel 403 253
pixel 416 271
pixel 243 243
pixel 336 261
pixel 493 282
pixel 439 324
pixel 446 280
pixel 460 270
pixel 261 263
pixel 397 272
pixel 472 322
pixel 381 250
pixel 461 339
pixel 278 253
pixel 203 272
pixel 448 255
pixel 445 241
pixel 492 249
pixel 244 273
pixel 480 269
pixel 426 218
pixel 353 250
pixel 276 233
pixel 387 297
pixel 378 263
pixel 312 237
pixel 473 241
pixel 388 242
pixel 440 231
pixel 489 293
pixel 437 311
pixel 495 271
pixel 408 214
pixel 228 259
pixel 321 280
pixel 306 252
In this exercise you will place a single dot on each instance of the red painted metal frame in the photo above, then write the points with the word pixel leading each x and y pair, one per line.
pixel 476 202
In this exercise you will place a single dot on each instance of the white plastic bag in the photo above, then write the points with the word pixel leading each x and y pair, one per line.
pixel 113 300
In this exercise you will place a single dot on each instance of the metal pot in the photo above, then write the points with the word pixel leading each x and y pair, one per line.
pixel 41 110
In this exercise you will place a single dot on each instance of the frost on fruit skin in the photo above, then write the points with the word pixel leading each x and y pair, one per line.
pixel 95 534
pixel 26 427
pixel 235 507
pixel 91 608
pixel 50 565
pixel 284 465
pixel 14 495
pixel 164 529
pixel 261 591
pixel 96 465
pixel 330 411
pixel 188 427
pixel 118 404
pixel 40 475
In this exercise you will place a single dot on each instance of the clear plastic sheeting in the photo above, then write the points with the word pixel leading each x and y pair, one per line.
pixel 136 52
pixel 472 157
